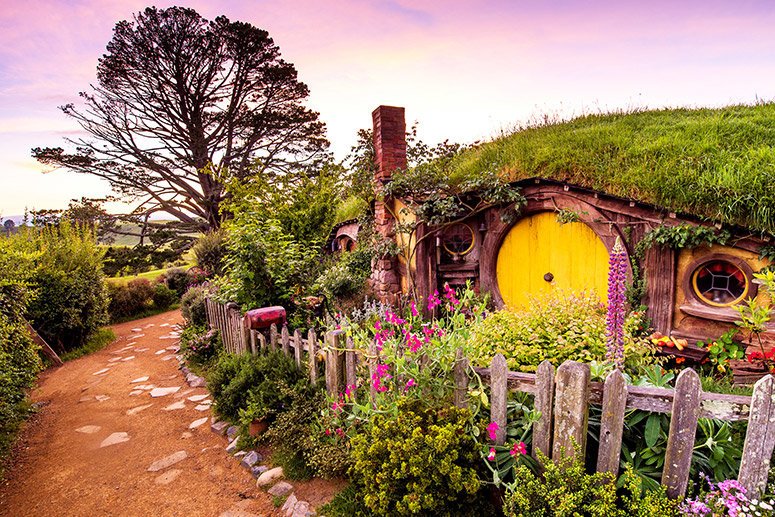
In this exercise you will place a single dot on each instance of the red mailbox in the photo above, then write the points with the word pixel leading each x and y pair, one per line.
pixel 260 319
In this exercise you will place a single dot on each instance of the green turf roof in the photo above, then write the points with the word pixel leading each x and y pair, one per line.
pixel 717 164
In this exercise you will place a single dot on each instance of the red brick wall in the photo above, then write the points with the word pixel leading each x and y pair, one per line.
pixel 390 154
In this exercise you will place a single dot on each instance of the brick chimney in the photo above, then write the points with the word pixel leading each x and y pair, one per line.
pixel 389 155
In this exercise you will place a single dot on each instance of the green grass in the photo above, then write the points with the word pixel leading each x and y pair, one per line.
pixel 344 504
pixel 351 208
pixel 97 341
pixel 714 163
pixel 151 276
pixel 712 385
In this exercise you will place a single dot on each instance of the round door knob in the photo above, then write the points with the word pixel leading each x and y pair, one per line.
pixel 548 277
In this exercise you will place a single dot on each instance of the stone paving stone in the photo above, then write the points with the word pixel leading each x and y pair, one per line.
pixel 114 359
pixel 167 357
pixel 159 352
pixel 167 477
pixel 250 459
pixel 100 372
pixel 232 431
pixel 202 407
pixel 185 435
pixel 168 461
pixel 163 392
pixel 270 476
pixel 232 447
pixel 176 405
pixel 88 429
pixel 257 470
pixel 135 393
pixel 114 439
pixel 139 379
pixel 183 393
pixel 101 398
pixel 281 489
pixel 196 423
pixel 144 387
pixel 128 358
pixel 137 409
pixel 141 349
pixel 289 504
pixel 219 427
pixel 85 399
pixel 136 336
pixel 137 329
pixel 197 398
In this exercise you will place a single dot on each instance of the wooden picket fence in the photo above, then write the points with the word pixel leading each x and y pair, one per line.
pixel 563 398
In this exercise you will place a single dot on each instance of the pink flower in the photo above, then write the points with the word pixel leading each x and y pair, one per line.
pixel 328 432
pixel 492 429
pixel 349 390
pixel 413 342
pixel 413 308
pixel 377 377
pixel 339 432
pixel 433 300
pixel 409 384
pixel 491 456
pixel 449 294
pixel 518 448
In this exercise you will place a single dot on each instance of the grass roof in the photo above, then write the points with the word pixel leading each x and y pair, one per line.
pixel 718 164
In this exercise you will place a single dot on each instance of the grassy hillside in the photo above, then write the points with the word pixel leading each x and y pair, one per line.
pixel 714 163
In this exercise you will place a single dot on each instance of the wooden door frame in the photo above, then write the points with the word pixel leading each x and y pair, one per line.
pixel 542 200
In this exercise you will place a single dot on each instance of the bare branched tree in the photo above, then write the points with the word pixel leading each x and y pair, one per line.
pixel 184 104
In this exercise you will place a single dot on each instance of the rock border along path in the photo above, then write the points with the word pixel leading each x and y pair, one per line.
pixel 103 445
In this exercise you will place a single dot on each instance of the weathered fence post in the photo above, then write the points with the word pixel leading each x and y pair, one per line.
pixel 460 374
pixel 333 363
pixel 612 422
pixel 759 439
pixel 273 337
pixel 286 340
pixel 261 341
pixel 544 400
pixel 312 351
pixel 499 389
pixel 683 427
pixel 298 345
pixel 253 341
pixel 571 409
pixel 350 363
pixel 245 330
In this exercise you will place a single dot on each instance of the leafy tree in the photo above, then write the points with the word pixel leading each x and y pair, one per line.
pixel 184 104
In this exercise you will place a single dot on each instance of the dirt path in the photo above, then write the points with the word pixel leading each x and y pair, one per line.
pixel 62 470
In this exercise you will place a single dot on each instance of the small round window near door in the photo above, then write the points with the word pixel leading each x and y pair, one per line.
pixel 720 283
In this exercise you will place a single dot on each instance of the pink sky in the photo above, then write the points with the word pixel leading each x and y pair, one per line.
pixel 464 70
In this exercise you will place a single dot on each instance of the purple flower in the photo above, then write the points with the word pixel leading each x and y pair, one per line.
pixel 617 277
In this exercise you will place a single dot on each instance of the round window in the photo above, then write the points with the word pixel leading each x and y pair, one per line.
pixel 720 283
pixel 458 239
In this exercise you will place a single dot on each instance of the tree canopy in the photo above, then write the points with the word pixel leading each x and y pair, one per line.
pixel 181 106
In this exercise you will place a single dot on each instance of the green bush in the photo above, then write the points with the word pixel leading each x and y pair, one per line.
pixel 209 251
pixel 192 306
pixel 163 297
pixel 178 280
pixel 71 301
pixel 567 490
pixel 19 360
pixel 131 298
pixel 248 386
pixel 559 326
pixel 417 461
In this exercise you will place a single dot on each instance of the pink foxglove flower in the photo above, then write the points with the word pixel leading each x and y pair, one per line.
pixel 617 278
pixel 491 456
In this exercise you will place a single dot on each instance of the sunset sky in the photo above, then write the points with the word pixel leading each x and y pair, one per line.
pixel 464 70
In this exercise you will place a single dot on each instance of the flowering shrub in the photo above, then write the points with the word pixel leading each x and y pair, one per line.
pixel 417 461
pixel 558 326
pixel 199 344
pixel 727 498
pixel 567 490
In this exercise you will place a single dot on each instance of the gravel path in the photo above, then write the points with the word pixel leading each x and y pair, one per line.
pixel 106 419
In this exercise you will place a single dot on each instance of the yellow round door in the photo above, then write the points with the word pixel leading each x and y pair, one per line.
pixel 539 254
